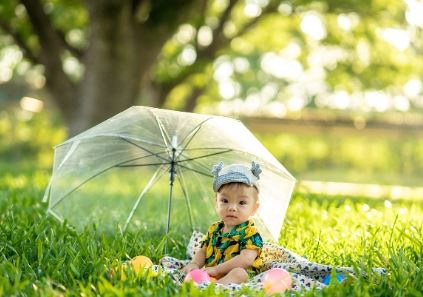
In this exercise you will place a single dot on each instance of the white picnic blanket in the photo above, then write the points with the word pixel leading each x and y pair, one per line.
pixel 305 274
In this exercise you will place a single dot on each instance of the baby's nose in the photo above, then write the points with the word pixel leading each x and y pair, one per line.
pixel 232 206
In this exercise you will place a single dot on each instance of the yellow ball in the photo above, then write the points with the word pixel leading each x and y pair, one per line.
pixel 140 262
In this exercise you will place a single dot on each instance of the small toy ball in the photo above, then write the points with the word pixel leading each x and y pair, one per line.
pixel 198 276
pixel 339 278
pixel 276 280
pixel 137 263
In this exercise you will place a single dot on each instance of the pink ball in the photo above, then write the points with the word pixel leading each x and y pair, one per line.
pixel 198 276
pixel 276 280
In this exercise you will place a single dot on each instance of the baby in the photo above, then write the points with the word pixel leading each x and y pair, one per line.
pixel 230 252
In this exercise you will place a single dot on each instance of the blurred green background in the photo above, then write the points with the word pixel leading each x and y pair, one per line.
pixel 27 141
pixel 333 89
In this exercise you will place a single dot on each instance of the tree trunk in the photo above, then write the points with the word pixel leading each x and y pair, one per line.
pixel 112 65
pixel 121 52
pixel 125 38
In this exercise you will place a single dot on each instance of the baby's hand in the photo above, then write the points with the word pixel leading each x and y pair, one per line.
pixel 212 271
pixel 189 267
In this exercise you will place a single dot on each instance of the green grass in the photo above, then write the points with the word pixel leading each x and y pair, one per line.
pixel 41 257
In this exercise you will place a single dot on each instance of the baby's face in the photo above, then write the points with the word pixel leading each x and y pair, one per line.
pixel 235 203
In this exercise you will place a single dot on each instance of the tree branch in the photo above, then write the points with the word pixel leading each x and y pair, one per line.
pixel 225 16
pixel 48 38
pixel 200 22
pixel 76 52
pixel 58 83
pixel 27 51
pixel 134 5
pixel 270 8
pixel 203 54
pixel 219 40
pixel 218 36
pixel 192 99
pixel 210 52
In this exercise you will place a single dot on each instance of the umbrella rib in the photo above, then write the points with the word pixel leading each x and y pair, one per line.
pixel 140 165
pixel 70 151
pixel 205 148
pixel 107 135
pixel 151 182
pixel 144 149
pixel 271 167
pixel 195 170
pixel 139 158
pixel 204 167
pixel 192 134
pixel 165 137
pixel 205 156
pixel 183 187
pixel 80 185
pixel 163 132
pixel 87 180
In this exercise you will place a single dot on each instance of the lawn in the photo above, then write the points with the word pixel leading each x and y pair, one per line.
pixel 40 256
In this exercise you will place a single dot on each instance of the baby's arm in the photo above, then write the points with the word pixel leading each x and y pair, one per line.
pixel 244 260
pixel 197 261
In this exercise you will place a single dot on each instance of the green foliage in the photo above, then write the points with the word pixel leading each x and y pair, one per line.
pixel 358 58
pixel 349 158
pixel 353 57
pixel 29 138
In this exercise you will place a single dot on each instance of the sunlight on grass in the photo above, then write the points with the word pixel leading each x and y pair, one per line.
pixel 41 257
pixel 341 230
pixel 360 189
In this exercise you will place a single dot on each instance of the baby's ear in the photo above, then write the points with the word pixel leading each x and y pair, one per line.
pixel 256 207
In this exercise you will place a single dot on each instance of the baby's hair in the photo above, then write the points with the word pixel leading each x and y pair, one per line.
pixel 237 185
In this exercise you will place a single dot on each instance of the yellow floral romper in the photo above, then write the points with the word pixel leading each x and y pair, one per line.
pixel 222 246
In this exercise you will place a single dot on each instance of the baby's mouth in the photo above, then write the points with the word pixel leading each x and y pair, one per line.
pixel 231 216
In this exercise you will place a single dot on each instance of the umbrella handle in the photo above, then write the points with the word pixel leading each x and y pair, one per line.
pixel 172 172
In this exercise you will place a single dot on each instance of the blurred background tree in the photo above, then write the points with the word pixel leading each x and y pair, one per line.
pixel 96 58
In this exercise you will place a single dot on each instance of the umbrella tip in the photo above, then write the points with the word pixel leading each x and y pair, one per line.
pixel 174 141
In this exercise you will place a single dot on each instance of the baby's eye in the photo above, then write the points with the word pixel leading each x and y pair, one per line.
pixel 243 202
pixel 223 200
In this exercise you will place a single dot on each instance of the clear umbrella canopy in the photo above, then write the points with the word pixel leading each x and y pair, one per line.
pixel 117 174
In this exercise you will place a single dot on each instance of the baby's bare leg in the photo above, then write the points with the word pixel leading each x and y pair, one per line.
pixel 235 276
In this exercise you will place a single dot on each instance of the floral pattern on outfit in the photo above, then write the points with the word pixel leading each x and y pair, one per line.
pixel 223 246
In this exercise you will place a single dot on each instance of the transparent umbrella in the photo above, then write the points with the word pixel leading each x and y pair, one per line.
pixel 150 169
